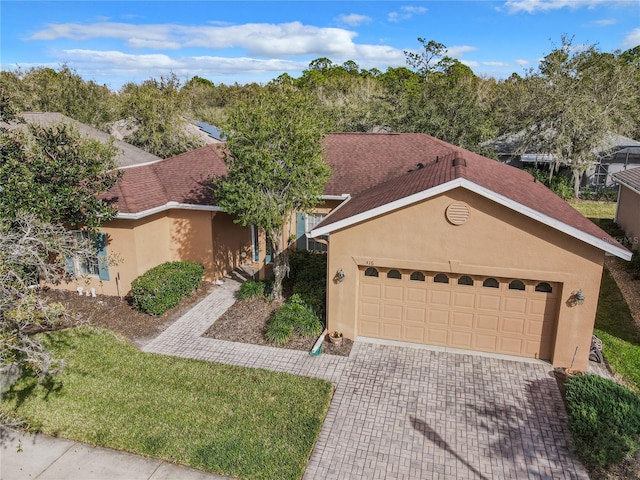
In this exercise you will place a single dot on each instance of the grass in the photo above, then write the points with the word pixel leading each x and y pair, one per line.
pixel 595 210
pixel 615 326
pixel 230 420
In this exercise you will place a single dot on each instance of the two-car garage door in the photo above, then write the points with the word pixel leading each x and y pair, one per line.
pixel 491 314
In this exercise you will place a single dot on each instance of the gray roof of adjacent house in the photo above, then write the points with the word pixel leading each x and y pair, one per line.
pixel 128 154
pixel 614 147
pixel 629 178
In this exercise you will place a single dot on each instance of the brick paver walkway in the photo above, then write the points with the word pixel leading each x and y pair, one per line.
pixel 409 413
pixel 184 339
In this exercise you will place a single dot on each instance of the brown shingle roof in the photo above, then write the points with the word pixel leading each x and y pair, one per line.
pixel 630 178
pixel 362 160
pixel 183 179
pixel 448 163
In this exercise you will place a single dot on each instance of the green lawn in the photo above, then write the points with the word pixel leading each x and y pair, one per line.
pixel 234 421
pixel 595 210
pixel 620 335
pixel 614 324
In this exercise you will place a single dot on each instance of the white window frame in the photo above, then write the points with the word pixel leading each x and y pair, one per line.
pixel 311 220
pixel 85 265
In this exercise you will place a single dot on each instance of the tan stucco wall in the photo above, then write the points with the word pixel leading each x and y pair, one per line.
pixel 136 246
pixel 495 241
pixel 628 214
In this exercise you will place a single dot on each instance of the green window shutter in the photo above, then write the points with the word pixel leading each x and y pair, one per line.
pixel 256 244
pixel 103 264
pixel 301 230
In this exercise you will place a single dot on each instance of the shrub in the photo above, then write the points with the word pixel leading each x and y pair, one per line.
pixel 604 419
pixel 279 331
pixel 250 289
pixel 162 287
pixel 292 316
pixel 308 274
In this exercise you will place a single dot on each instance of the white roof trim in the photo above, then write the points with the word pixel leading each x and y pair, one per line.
pixel 389 207
pixel 344 196
pixel 165 207
pixel 487 193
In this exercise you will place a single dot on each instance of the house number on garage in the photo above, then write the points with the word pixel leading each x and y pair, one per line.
pixel 369 262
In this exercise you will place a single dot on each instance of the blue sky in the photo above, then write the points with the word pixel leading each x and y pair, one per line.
pixel 114 42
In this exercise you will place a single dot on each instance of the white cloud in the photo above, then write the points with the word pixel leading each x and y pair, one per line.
pixel 405 13
pixel 457 51
pixel 520 61
pixel 261 39
pixel 532 6
pixel 353 19
pixel 632 39
pixel 605 22
pixel 495 64
pixel 413 9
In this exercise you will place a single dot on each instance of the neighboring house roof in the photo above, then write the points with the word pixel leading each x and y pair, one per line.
pixel 629 178
pixel 610 146
pixel 183 181
pixel 127 153
pixel 455 167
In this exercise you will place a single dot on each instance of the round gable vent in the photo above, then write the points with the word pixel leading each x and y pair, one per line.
pixel 458 212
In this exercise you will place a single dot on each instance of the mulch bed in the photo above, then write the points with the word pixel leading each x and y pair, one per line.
pixel 119 316
pixel 246 322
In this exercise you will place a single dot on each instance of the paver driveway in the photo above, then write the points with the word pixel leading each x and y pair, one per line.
pixel 406 413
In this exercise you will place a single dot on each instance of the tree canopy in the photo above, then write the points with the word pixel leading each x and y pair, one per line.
pixel 276 165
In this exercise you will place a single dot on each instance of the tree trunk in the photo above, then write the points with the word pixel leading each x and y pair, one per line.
pixel 280 264
pixel 577 177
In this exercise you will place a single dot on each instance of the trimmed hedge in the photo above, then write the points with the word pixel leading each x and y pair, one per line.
pixel 604 419
pixel 161 288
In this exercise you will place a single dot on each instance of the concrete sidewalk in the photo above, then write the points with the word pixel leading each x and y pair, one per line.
pixel 25 456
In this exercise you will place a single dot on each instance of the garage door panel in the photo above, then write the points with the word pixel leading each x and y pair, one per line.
pixel 416 295
pixel 512 325
pixel 392 293
pixel 437 336
pixel 539 306
pixel 501 320
pixel 464 300
pixel 370 309
pixel 392 331
pixel 370 328
pixel 439 297
pixel 460 339
pixel 416 314
pixel 534 327
pixel 487 343
pixel 462 319
pixel 371 291
pixel 510 345
pixel 392 312
pixel 488 322
pixel 515 305
pixel 489 302
pixel 439 317
pixel 414 334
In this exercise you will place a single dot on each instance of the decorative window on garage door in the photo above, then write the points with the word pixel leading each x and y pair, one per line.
pixel 371 272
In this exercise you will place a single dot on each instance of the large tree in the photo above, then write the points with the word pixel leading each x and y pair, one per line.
pixel 156 108
pixel 49 177
pixel 570 104
pixel 276 165
pixel 56 175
